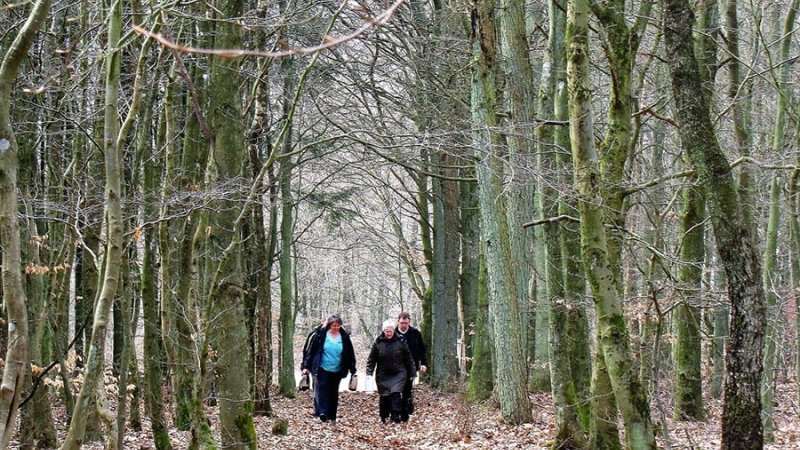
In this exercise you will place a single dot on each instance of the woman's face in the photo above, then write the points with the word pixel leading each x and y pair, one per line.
pixel 335 327
pixel 389 332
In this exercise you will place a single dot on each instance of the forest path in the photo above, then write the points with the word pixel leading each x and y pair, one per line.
pixel 445 421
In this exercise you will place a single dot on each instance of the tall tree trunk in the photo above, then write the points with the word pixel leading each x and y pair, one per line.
pixel 286 380
pixel 152 353
pixel 481 376
pixel 771 246
pixel 688 376
pixel 630 396
pixel 112 258
pixel 425 231
pixel 579 349
pixel 446 256
pixel 226 298
pixel 521 97
pixel 511 373
pixel 470 267
pixel 568 428
pixel 261 254
pixel 741 418
pixel 773 309
pixel 13 292
pixel 620 47
pixel 794 245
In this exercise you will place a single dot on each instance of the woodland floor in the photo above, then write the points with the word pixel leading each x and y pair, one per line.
pixel 444 421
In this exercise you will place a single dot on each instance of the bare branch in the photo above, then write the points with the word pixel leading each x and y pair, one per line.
pixel 328 41
pixel 550 220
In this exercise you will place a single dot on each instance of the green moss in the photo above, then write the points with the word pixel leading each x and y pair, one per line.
pixel 162 441
pixel 280 426
pixel 247 430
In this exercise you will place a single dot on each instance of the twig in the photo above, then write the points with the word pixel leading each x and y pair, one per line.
pixel 41 376
pixel 329 41
pixel 551 220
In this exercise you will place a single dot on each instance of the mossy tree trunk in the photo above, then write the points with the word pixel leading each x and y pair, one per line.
pixel 520 97
pixel 773 309
pixel 621 44
pixel 261 253
pixel 568 432
pixel 741 418
pixel 16 357
pixel 481 375
pixel 153 351
pixel 446 268
pixel 793 189
pixel 286 380
pixel 510 372
pixel 470 268
pixel 630 396
pixel 112 258
pixel 771 273
pixel 688 376
pixel 226 297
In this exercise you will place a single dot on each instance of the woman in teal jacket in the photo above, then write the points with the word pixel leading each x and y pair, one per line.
pixel 329 358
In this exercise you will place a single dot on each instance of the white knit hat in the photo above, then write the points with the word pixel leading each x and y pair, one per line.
pixel 389 324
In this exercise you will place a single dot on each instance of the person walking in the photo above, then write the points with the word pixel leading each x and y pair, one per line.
pixel 330 356
pixel 395 368
pixel 419 354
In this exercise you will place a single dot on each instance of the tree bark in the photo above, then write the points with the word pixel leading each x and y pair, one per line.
pixel 511 373
pixel 741 418
pixel 112 258
pixel 688 377
pixel 226 296
pixel 13 292
pixel 446 260
pixel 631 398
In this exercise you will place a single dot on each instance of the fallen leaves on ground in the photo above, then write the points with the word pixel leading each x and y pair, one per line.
pixel 445 421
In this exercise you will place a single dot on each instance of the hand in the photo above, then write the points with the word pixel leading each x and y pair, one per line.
pixel 423 369
pixel 305 371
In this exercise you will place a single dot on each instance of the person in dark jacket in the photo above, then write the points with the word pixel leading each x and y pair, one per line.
pixel 413 338
pixel 395 368
pixel 330 356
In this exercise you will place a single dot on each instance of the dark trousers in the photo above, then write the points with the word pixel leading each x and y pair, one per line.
pixel 407 401
pixel 326 394
pixel 389 406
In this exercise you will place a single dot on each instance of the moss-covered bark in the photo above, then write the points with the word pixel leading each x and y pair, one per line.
pixel 481 375
pixel 226 298
pixel 16 356
pixel 771 245
pixel 741 421
pixel 630 396
pixel 510 373
pixel 446 264
pixel 773 311
pixel 470 267
pixel 688 377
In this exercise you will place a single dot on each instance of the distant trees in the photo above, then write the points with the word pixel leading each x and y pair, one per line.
pixel 456 163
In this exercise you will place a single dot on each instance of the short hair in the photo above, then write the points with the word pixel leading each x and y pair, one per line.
pixel 404 315
pixel 333 318
pixel 390 323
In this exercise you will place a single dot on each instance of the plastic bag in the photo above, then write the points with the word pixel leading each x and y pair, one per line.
pixel 305 383
pixel 353 385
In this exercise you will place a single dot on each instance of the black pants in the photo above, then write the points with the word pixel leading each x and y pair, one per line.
pixel 326 394
pixel 407 401
pixel 390 406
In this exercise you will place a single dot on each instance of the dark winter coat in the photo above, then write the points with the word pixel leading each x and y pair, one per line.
pixel 313 357
pixel 413 338
pixel 310 338
pixel 394 362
